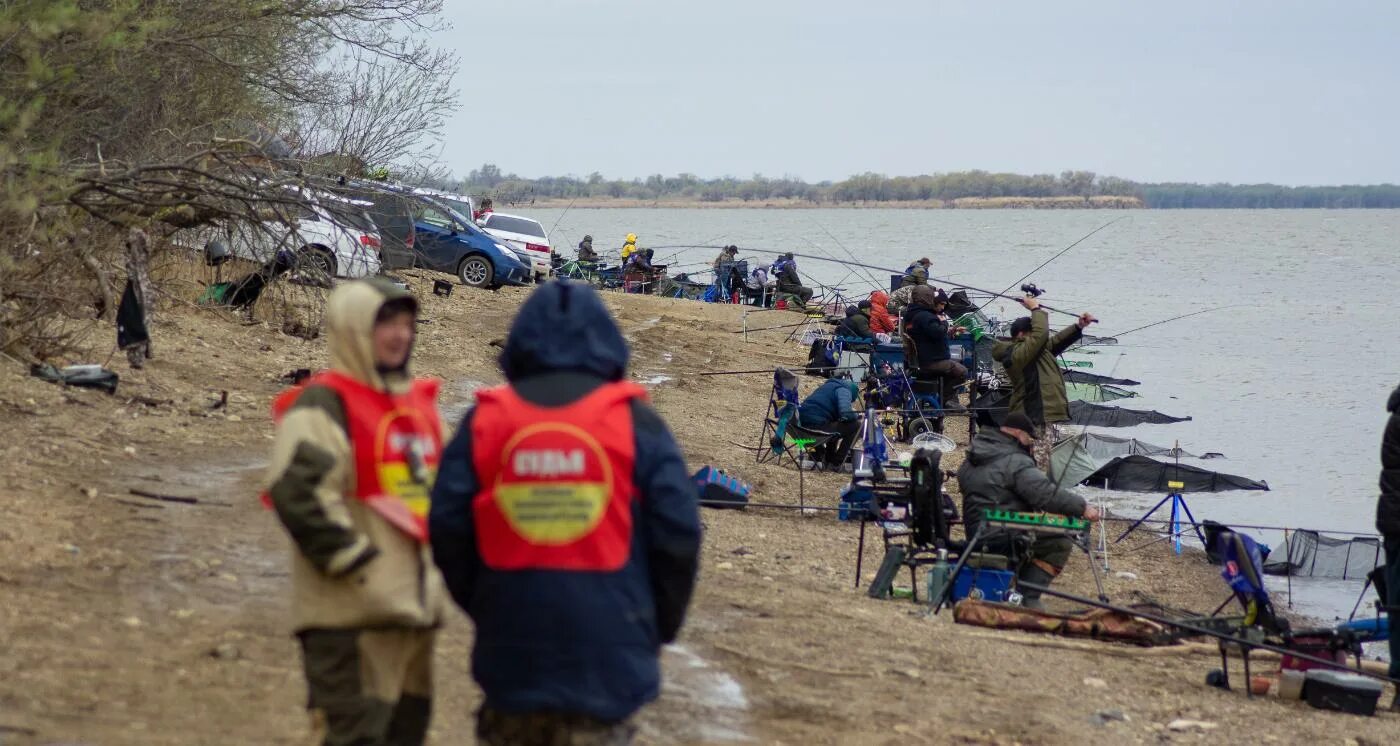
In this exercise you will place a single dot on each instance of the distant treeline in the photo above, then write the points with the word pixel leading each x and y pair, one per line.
pixel 945 188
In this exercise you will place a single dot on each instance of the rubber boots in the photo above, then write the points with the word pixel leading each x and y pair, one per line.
pixel 1033 573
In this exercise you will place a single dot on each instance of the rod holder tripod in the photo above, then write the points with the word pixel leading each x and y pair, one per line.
pixel 1178 508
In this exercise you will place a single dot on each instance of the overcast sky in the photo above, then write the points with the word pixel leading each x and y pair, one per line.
pixel 1262 91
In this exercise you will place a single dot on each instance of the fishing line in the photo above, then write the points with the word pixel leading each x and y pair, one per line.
pixel 849 253
pixel 1062 253
pixel 562 214
pixel 1159 323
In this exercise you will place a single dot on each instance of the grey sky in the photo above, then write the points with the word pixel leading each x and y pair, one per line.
pixel 1281 91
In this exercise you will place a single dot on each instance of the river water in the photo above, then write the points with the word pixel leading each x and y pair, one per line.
pixel 1289 383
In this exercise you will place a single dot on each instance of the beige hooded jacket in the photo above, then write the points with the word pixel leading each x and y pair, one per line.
pixel 350 568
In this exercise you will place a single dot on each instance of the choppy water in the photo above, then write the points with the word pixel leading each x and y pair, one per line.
pixel 1290 384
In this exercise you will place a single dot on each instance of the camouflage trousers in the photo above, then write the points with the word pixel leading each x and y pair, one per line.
pixel 1040 449
pixel 496 728
pixel 369 686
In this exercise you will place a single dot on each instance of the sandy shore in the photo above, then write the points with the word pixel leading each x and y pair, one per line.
pixel 130 620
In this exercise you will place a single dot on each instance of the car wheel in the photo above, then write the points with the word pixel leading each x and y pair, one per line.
pixel 317 265
pixel 475 271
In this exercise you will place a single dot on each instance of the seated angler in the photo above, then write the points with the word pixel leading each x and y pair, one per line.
pixel 999 473
pixel 926 334
pixel 856 325
pixel 585 250
pixel 831 408
pixel 789 283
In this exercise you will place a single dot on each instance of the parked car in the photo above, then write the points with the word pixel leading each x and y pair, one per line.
pixel 329 235
pixel 420 230
pixel 527 237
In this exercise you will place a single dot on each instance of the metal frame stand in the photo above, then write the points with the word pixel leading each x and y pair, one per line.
pixel 1178 507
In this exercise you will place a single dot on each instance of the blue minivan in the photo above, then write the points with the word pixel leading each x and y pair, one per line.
pixel 419 231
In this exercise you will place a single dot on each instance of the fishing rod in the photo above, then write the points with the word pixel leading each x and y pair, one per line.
pixel 900 272
pixel 849 253
pixel 1157 323
pixel 1244 643
pixel 562 214
pixel 1060 254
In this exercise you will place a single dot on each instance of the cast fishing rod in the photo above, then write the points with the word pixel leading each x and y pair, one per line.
pixel 1060 254
pixel 562 214
pixel 1157 323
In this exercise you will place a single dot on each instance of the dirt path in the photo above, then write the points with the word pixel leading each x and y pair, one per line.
pixel 128 620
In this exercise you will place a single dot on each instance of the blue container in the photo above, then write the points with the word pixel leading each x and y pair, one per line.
pixel 855 502
pixel 990 585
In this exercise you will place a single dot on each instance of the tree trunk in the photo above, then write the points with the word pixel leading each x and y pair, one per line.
pixel 138 271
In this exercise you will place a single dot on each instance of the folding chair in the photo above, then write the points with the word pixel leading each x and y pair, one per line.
pixel 924 529
pixel 783 433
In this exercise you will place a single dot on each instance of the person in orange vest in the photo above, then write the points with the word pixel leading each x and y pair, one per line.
pixel 567 528
pixel 352 466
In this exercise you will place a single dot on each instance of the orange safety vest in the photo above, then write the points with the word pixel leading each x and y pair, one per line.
pixel 557 487
pixel 396 443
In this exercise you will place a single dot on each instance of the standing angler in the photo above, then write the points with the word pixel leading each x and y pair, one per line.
pixel 351 469
pixel 1037 384
pixel 1388 523
pixel 567 528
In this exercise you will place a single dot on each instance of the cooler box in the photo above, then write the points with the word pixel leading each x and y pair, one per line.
pixel 983 584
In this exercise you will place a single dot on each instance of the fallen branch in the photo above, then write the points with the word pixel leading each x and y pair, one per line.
pixel 176 498
pixel 134 504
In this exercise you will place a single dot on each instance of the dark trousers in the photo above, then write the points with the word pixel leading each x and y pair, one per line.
pixel 838 449
pixel 369 687
pixel 801 292
pixel 949 373
pixel 1392 587
pixel 496 728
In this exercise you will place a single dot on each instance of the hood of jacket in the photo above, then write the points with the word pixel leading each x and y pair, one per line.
pixel 564 326
pixel 990 445
pixel 350 314
pixel 879 299
pixel 1394 403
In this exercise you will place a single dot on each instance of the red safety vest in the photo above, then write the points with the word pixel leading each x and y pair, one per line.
pixel 556 482
pixel 396 442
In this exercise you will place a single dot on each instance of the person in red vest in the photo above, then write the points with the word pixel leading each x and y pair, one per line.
pixel 352 466
pixel 566 526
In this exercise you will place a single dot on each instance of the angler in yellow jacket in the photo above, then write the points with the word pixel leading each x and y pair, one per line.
pixel 354 460
pixel 629 246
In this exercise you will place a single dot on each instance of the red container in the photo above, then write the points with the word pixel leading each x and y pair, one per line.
pixel 1316 646
pixel 780 305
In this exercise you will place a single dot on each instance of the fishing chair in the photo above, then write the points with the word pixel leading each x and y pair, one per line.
pixel 1243 572
pixel 783 433
pixel 922 528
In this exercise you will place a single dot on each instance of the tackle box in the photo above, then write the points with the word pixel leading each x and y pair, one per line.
pixel 1343 692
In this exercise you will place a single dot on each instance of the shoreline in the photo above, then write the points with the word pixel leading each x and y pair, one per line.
pixel 964 203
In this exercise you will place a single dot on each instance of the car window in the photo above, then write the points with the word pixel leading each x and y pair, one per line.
pixel 459 205
pixel 435 217
pixel 515 225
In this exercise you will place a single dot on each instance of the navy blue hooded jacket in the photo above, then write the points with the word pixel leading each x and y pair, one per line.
pixel 561 641
pixel 831 402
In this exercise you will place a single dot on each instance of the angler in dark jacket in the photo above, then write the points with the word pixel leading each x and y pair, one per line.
pixel 567 528
pixel 1000 473
pixel 856 325
pixel 1388 522
pixel 1037 384
pixel 925 334
pixel 831 408
pixel 789 283
pixel 585 250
